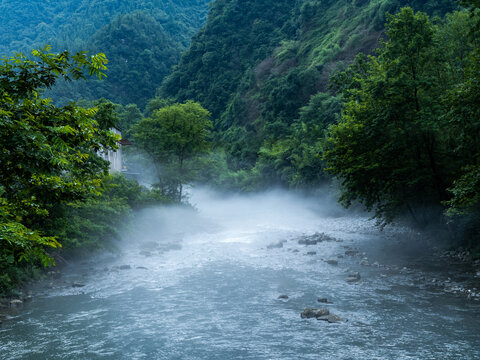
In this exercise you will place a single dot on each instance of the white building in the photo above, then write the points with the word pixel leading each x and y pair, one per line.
pixel 115 157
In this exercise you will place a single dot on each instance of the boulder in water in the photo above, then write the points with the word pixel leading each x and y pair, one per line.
pixel 283 297
pixel 277 245
pixel 354 277
pixel 352 252
pixel 323 301
pixel 332 262
pixel 315 239
pixel 309 313
pixel 331 319
pixel 16 302
pixel 77 285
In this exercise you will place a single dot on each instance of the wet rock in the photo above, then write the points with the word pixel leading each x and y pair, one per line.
pixel 332 262
pixel 351 252
pixel 352 278
pixel 16 303
pixel 277 245
pixel 312 253
pixel 78 285
pixel 332 319
pixel 309 313
pixel 283 297
pixel 54 274
pixel 324 301
pixel 340 256
pixel 124 267
pixel 315 239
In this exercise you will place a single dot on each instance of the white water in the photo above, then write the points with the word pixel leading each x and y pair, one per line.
pixel 204 285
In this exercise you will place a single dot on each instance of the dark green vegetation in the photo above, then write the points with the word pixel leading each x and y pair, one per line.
pixel 54 188
pixel 173 137
pixel 408 134
pixel 262 68
pixel 142 39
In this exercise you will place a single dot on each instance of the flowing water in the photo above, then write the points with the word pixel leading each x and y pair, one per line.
pixel 205 284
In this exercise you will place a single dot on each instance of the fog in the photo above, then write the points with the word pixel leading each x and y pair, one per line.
pixel 228 276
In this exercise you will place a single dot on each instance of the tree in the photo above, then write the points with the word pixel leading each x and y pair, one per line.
pixel 388 149
pixel 171 136
pixel 47 153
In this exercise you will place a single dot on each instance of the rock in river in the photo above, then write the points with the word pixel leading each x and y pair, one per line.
pixel 16 302
pixel 323 301
pixel 277 245
pixel 332 262
pixel 331 318
pixel 309 313
pixel 283 297
pixel 354 277
pixel 77 285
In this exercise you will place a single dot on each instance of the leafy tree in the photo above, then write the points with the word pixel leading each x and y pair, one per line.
pixel 48 154
pixel 173 135
pixel 388 148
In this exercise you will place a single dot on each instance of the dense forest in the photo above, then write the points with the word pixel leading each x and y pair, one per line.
pixel 142 39
pixel 378 98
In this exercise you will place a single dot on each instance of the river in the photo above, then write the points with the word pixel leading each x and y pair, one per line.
pixel 205 284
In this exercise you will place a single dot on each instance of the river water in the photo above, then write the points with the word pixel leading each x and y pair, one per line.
pixel 205 284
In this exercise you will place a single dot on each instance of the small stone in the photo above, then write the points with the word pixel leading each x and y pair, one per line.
pixel 309 313
pixel 277 245
pixel 331 319
pixel 283 297
pixel 332 262
pixel 16 302
pixel 312 253
pixel 351 252
pixel 323 301
pixel 355 277
pixel 77 285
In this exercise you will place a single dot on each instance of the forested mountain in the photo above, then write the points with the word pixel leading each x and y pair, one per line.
pixel 263 67
pixel 71 23
pixel 142 39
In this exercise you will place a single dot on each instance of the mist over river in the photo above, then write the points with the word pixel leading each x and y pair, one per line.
pixel 205 284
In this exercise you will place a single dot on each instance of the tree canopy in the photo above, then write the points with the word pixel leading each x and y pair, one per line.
pixel 48 154
pixel 171 136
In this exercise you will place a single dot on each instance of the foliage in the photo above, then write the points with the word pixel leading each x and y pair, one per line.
pixel 93 224
pixel 281 59
pixel 172 135
pixel 48 153
pixel 394 148
pixel 142 38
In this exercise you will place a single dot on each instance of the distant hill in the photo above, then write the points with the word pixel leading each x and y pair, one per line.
pixel 143 39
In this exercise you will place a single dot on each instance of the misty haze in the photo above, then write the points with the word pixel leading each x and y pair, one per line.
pixel 239 179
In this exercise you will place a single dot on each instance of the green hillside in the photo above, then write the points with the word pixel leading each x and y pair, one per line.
pixel 142 39
pixel 262 67
pixel 71 23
